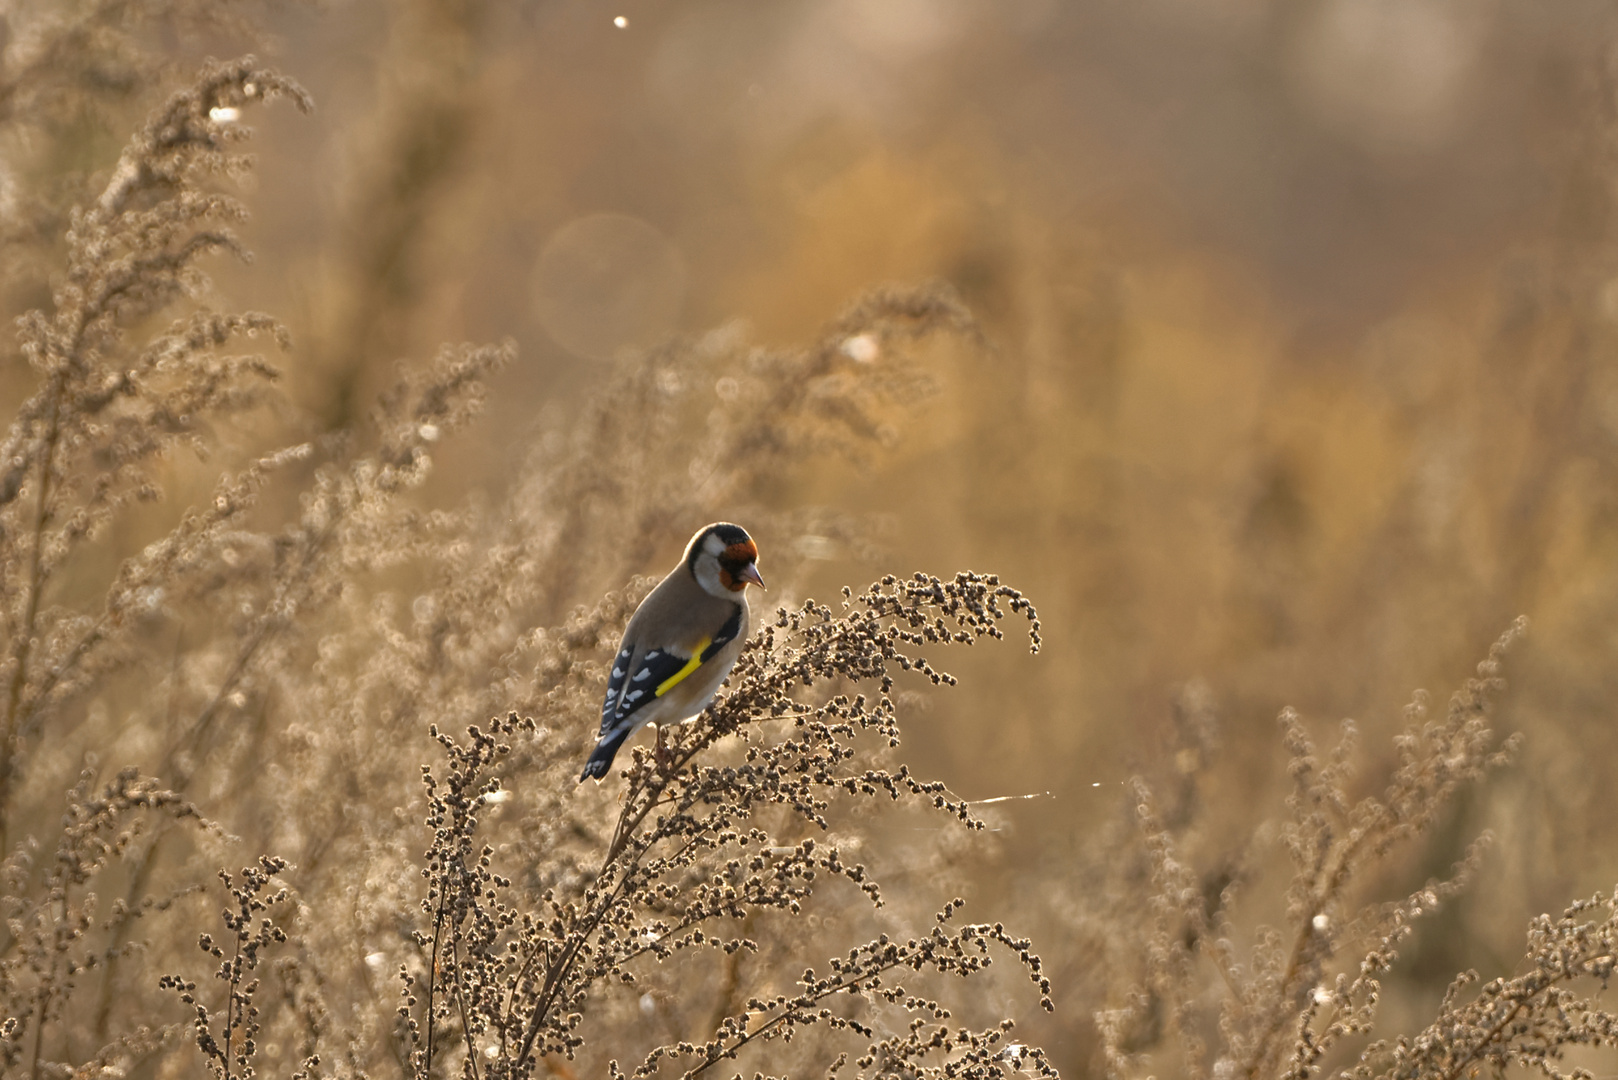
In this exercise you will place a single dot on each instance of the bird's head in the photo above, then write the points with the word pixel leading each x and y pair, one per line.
pixel 723 559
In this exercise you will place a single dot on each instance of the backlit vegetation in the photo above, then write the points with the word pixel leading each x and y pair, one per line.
pixel 301 643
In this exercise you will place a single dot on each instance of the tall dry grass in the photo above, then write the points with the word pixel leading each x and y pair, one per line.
pixel 258 669
pixel 286 767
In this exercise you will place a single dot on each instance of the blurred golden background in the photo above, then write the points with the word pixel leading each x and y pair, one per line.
pixel 1301 318
pixel 1298 383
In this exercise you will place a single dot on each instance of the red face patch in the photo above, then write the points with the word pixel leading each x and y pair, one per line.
pixel 733 563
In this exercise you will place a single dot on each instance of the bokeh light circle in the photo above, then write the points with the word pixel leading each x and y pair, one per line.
pixel 605 282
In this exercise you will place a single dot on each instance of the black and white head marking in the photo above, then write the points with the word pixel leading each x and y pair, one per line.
pixel 719 557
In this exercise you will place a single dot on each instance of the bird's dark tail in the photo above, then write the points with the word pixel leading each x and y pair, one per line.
pixel 601 760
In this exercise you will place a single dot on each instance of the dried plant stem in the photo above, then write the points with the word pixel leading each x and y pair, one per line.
pixel 563 967
pixel 1282 1011
pixel 1490 1036
pixel 460 1003
pixel 47 988
pixel 793 1010
pixel 22 646
pixel 432 982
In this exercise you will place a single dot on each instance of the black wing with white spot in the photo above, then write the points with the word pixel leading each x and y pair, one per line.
pixel 656 673
pixel 615 686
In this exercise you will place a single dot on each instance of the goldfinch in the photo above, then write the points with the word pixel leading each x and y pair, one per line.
pixel 681 642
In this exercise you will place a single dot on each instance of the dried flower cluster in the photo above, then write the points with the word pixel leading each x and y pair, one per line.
pixel 255 659
pixel 372 710
pixel 1307 993
pixel 693 860
pixel 1530 1020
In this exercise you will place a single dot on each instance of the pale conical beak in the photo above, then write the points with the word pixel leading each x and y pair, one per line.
pixel 750 573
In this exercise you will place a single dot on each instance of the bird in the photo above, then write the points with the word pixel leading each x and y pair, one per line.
pixel 681 642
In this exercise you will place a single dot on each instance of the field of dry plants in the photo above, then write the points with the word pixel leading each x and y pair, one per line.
pixel 1120 395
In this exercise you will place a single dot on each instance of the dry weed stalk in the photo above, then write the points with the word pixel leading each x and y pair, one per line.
pixel 1294 999
pixel 1529 1020
pixel 275 657
pixel 229 1050
pixel 52 924
pixel 79 450
pixel 690 859
pixel 288 660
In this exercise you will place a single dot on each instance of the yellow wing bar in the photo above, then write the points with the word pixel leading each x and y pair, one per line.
pixel 690 665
